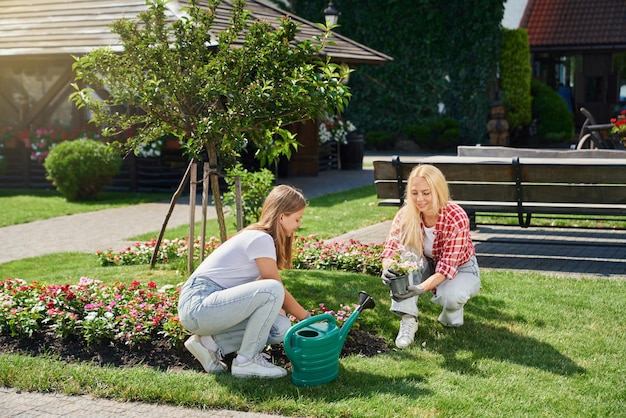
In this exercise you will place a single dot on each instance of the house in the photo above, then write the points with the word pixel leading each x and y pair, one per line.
pixel 39 38
pixel 579 43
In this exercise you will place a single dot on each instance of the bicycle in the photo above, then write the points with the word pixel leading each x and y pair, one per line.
pixel 597 136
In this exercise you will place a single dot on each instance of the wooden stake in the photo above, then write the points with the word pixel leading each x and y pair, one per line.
pixel 205 204
pixel 192 215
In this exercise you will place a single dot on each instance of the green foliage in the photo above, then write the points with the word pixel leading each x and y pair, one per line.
pixel 443 52
pixel 81 168
pixel 515 76
pixel 217 90
pixel 255 186
pixel 243 89
pixel 435 135
pixel 554 122
pixel 379 140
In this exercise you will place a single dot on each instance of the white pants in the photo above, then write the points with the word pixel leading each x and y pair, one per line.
pixel 451 295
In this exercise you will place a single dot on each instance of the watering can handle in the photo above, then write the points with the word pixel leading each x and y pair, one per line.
pixel 304 323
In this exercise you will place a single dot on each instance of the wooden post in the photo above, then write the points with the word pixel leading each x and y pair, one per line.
pixel 205 203
pixel 238 203
pixel 175 197
pixel 192 215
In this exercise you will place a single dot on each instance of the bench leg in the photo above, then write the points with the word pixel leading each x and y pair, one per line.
pixel 472 219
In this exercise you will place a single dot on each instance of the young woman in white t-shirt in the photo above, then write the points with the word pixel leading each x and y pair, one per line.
pixel 235 300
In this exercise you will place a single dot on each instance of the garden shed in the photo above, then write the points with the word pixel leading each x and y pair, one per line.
pixel 38 40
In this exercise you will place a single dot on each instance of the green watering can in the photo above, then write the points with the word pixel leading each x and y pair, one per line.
pixel 314 344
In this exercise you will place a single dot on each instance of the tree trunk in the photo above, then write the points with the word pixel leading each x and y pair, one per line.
pixel 211 149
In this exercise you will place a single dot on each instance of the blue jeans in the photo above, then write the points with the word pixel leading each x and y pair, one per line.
pixel 243 318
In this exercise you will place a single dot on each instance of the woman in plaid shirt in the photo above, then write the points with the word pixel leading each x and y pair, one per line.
pixel 436 230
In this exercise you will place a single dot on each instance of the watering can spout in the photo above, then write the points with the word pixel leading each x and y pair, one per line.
pixel 365 302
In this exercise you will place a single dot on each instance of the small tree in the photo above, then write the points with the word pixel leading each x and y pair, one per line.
pixel 215 91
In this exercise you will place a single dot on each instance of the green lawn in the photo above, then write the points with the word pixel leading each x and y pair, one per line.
pixel 532 345
pixel 19 206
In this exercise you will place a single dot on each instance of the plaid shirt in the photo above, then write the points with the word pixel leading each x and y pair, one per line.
pixel 453 245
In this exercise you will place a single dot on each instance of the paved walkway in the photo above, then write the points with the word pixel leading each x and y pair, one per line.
pixel 564 252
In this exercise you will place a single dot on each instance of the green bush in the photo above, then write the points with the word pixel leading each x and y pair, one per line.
pixel 435 135
pixel 554 122
pixel 255 186
pixel 81 168
pixel 515 75
pixel 379 140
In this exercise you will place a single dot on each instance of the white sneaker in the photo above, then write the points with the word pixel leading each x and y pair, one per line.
pixel 408 328
pixel 210 360
pixel 258 366
pixel 449 318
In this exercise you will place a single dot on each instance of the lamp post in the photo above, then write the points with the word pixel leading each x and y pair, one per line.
pixel 331 14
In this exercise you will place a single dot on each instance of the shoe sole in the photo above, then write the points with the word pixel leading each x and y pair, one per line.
pixel 243 375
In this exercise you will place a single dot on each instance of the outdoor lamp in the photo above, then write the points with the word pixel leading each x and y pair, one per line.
pixel 331 14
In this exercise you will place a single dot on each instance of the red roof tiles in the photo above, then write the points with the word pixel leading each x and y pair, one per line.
pixel 576 24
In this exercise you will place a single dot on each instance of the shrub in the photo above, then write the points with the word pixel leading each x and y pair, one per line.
pixel 436 134
pixel 81 168
pixel 379 140
pixel 515 75
pixel 255 186
pixel 554 122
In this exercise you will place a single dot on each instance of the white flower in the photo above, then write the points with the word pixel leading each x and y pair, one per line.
pixel 334 129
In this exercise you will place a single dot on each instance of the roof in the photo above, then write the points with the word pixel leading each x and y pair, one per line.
pixel 554 25
pixel 54 27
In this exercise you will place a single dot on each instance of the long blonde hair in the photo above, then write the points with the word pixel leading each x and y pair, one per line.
pixel 412 235
pixel 282 200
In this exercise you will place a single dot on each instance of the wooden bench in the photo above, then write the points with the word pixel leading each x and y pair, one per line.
pixel 573 186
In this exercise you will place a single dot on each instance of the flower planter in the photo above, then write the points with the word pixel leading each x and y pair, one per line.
pixel 352 152
pixel 13 144
pixel 328 156
pixel 171 145
pixel 399 285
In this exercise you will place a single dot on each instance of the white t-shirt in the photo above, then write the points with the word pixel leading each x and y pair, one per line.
pixel 233 262
pixel 429 240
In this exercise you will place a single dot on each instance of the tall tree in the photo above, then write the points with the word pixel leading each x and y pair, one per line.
pixel 217 91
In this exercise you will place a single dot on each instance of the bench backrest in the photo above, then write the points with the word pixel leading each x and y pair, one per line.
pixel 601 181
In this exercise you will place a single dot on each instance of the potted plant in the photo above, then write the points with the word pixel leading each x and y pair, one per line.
pixel 619 127
pixel 402 264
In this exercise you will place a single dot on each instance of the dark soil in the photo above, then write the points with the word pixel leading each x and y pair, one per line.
pixel 158 353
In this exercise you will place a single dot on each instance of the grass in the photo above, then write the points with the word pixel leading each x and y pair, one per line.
pixel 532 345
pixel 28 205
pixel 326 216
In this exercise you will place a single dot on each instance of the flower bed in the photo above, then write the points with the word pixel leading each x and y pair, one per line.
pixel 309 253
pixel 138 315
pixel 128 314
